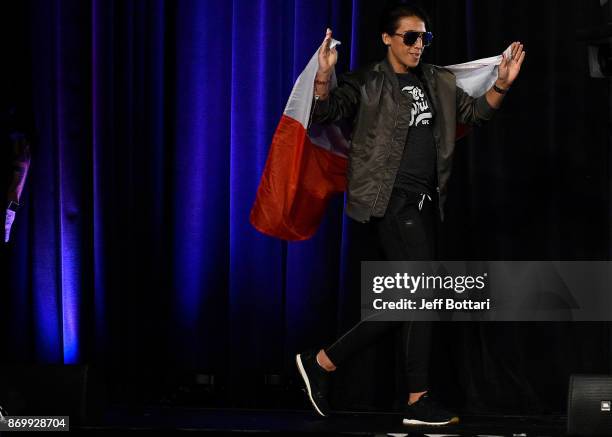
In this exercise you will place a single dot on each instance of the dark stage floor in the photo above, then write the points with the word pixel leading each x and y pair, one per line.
pixel 225 421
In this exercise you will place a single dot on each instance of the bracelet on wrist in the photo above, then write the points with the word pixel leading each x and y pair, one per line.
pixel 500 90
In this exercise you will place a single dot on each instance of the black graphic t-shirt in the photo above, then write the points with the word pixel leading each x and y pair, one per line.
pixel 417 171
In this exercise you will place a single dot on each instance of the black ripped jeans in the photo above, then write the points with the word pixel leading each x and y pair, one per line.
pixel 407 232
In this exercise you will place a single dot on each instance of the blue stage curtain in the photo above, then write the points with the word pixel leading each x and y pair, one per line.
pixel 154 120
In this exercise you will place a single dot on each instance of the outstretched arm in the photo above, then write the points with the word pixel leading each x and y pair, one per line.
pixel 328 57
pixel 473 111
pixel 20 166
pixel 342 101
pixel 507 72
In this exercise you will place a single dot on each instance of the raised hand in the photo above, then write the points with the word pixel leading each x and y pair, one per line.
pixel 327 56
pixel 510 66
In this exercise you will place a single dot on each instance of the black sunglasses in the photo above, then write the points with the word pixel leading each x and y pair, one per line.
pixel 410 37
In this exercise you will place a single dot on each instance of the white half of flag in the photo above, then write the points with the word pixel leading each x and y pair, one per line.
pixel 474 77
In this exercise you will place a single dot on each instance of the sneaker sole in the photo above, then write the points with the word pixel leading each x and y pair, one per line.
pixel 300 366
pixel 416 422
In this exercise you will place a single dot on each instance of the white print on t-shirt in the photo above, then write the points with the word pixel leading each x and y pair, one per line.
pixel 420 113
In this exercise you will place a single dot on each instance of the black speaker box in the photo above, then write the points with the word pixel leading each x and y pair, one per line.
pixel 589 405
pixel 53 390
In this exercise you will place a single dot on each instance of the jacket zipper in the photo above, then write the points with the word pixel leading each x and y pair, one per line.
pixel 316 99
pixel 386 159
pixel 437 153
pixel 437 170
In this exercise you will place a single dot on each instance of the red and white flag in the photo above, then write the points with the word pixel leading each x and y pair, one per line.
pixel 307 165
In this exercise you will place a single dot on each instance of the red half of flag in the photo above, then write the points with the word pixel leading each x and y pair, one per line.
pixel 298 181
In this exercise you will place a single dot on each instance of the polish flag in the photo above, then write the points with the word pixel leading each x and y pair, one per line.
pixel 307 164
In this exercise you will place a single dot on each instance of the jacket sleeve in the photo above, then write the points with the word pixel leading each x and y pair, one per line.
pixel 342 102
pixel 473 111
